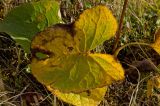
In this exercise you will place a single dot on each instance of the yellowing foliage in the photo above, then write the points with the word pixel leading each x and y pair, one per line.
pixel 69 69
pixel 149 88
pixel 154 82
pixel 77 73
pixel 56 40
pixel 95 26
pixel 156 44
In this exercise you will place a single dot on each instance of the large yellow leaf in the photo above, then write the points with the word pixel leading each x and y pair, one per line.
pixel 88 98
pixel 68 66
pixel 95 26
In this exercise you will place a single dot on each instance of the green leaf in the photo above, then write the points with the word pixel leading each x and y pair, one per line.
pixel 87 98
pixel 24 42
pixel 28 19
pixel 94 26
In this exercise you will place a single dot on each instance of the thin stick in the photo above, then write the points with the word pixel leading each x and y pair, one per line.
pixel 120 26
pixel 129 44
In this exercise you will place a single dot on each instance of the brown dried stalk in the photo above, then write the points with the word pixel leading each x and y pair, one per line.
pixel 118 34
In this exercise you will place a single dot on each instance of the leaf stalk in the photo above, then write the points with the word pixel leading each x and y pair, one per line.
pixel 120 26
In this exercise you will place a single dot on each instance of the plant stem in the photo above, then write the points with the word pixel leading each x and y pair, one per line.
pixel 129 44
pixel 120 26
